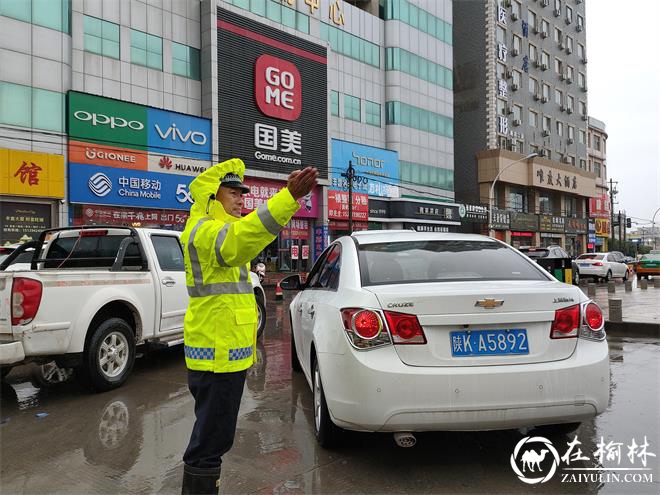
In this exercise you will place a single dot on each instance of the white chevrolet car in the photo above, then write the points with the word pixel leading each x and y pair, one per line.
pixel 605 266
pixel 399 331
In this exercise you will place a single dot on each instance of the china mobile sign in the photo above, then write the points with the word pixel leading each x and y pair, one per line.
pixel 124 125
pixel 272 102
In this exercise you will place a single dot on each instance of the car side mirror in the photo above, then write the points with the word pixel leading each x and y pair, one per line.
pixel 291 282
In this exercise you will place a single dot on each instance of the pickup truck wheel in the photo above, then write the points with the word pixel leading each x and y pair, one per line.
pixel 110 355
pixel 261 315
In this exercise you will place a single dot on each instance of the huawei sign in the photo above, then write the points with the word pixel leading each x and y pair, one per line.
pixel 165 162
pixel 277 88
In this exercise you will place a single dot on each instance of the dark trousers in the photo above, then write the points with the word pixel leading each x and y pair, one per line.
pixel 217 399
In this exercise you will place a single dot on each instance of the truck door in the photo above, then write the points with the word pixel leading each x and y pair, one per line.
pixel 171 274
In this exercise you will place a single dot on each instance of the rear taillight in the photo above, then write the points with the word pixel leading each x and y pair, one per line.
pixel 93 233
pixel 566 323
pixel 25 300
pixel 598 263
pixel 593 322
pixel 405 328
pixel 364 327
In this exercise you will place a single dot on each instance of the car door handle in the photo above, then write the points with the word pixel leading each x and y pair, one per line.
pixel 299 308
pixel 311 312
pixel 168 282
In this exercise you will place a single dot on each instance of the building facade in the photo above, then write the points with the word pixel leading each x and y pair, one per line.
pixel 521 90
pixel 599 207
pixel 128 101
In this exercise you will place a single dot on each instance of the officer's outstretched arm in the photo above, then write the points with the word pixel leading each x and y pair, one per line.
pixel 239 242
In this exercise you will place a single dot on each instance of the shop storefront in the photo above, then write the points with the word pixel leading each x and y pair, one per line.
pixel 551 228
pixel 602 233
pixel 31 191
pixel 524 227
pixel 474 218
pixel 576 232
pixel 338 212
pixel 131 164
pixel 421 216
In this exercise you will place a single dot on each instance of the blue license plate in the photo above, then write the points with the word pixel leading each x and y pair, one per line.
pixel 488 342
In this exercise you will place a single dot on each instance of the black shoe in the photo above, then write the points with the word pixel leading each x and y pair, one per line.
pixel 200 481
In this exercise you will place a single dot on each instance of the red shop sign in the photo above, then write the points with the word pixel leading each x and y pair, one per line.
pixel 261 190
pixel 338 205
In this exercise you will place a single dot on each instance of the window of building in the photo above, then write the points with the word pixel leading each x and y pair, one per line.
pixel 185 61
pixel 569 15
pixel 583 164
pixel 597 170
pixel 531 18
pixel 558 96
pixel 560 128
pixel 275 11
pixel 410 63
pixel 545 60
pixel 398 113
pixel 547 123
pixel 580 51
pixel 428 175
pixel 570 103
pixel 580 22
pixel 558 35
pixel 546 91
pixel 101 37
pixel 545 27
pixel 501 107
pixel 596 142
pixel 516 77
pixel 517 43
pixel 571 132
pixel 533 53
pixel 31 107
pixel 146 49
pixel 373 113
pixel 352 108
pixel 582 136
pixel 500 34
pixel 334 103
pixel 569 44
pixel 517 113
pixel 517 199
pixel 500 70
pixel 350 45
pixel 570 72
pixel 571 160
pixel 559 66
pixel 515 9
pixel 533 118
pixel 570 204
pixel 583 108
pixel 418 18
pixel 545 203
pixel 533 85
pixel 557 4
pixel 52 14
pixel 582 80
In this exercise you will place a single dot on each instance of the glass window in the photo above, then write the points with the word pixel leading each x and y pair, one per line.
pixel 146 50
pixel 418 18
pixel 531 18
pixel 569 44
pixel 517 76
pixel 53 14
pixel 545 60
pixel 517 43
pixel 546 91
pixel 569 15
pixel 327 276
pixel 31 107
pixel 580 50
pixel 558 96
pixel 258 7
pixel 47 110
pixel 185 61
pixel 533 53
pixel 101 37
pixel 169 253
pixel 558 35
pixel 500 34
pixel 547 123
pixel 352 108
pixel 517 112
pixel 288 17
pixel 515 9
pixel 373 113
pixel 533 85
pixel 533 118
pixel 274 11
pixel 558 66
pixel 571 132
pixel 501 107
pixel 580 21
pixel 570 102
pixel 334 103
pixel 500 69
pixel 582 81
pixel 302 22
pixel 560 128
pixel 569 72
pixel 545 27
pixel 582 137
pixel 350 45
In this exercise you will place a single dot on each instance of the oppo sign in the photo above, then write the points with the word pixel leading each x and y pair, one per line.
pixel 114 122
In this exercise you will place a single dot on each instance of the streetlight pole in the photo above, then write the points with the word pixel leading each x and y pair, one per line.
pixel 653 227
pixel 492 190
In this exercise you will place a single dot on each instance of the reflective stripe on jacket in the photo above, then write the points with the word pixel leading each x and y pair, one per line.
pixel 220 325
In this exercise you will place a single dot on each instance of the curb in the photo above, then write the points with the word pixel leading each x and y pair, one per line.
pixel 632 329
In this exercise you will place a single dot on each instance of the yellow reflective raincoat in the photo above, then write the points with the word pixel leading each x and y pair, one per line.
pixel 220 326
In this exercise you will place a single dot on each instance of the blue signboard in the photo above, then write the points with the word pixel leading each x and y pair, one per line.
pixel 321 237
pixel 178 134
pixel 377 168
pixel 125 187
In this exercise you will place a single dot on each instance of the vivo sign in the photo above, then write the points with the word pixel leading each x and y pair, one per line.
pixel 127 125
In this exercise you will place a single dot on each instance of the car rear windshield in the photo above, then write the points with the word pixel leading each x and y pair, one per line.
pixel 535 253
pixel 442 261
pixel 590 256
pixel 90 252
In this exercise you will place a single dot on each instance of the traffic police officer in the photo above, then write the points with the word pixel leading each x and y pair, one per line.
pixel 220 325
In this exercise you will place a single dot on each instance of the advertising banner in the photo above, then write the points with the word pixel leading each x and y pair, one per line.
pixel 524 221
pixel 602 227
pixel 115 186
pixel 550 223
pixel 576 226
pixel 321 240
pixel 473 213
pixel 272 97
pixel 20 219
pixel 377 168
pixel 172 164
pixel 261 190
pixel 501 219
pixel 338 206
pixel 108 215
pixel 109 122
pixel 296 229
pixel 107 156
pixel 25 173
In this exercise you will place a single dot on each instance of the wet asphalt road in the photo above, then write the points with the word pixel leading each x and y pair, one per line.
pixel 131 440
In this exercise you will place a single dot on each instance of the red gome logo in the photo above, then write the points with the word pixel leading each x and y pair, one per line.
pixel 277 88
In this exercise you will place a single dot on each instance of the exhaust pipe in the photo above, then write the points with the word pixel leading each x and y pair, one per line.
pixel 405 439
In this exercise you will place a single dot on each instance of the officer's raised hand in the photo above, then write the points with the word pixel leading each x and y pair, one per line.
pixel 301 182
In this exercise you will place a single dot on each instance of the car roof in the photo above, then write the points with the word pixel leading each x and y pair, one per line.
pixel 380 236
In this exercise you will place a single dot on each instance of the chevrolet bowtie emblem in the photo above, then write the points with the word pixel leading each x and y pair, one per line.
pixel 489 303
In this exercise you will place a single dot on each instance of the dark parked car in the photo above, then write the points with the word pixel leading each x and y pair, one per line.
pixel 555 260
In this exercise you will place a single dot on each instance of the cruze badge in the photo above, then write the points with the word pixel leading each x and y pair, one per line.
pixel 400 305
pixel 489 303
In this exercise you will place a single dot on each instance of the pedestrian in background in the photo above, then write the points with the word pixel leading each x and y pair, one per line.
pixel 220 326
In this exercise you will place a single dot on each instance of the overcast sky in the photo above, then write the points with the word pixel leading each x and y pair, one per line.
pixel 623 75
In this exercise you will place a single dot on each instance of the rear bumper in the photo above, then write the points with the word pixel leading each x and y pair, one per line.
pixel 11 353
pixel 593 272
pixel 386 395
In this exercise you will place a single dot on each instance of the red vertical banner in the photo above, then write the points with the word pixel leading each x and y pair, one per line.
pixel 305 252
pixel 294 252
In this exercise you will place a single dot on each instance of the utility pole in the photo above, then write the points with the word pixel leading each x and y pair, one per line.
pixel 350 175
pixel 612 193
pixel 620 236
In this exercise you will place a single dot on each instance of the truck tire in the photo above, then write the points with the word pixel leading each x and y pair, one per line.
pixel 261 314
pixel 109 355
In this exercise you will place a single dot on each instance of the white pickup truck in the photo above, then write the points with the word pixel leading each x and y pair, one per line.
pixel 92 296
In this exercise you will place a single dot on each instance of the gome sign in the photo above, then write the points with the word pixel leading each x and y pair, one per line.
pixel 277 87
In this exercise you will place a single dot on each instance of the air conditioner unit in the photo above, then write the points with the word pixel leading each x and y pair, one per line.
pixel 508 110
pixel 562 76
pixel 537 28
pixel 545 133
pixel 544 34
pixel 514 87
pixel 564 159
pixel 585 117
pixel 514 52
pixel 544 99
pixel 562 45
pixel 570 140
pixel 579 28
pixel 542 152
pixel 584 88
pixel 584 60
pixel 545 3
pixel 568 20
pixel 569 49
pixel 563 108
pixel 544 66
pixel 557 12
pixel 508 73
pixel 514 16
pixel 569 79
pixel 537 96
pixel 569 110
pixel 516 122
pixel 537 63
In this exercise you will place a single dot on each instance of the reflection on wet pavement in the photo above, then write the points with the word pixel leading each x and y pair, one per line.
pixel 131 440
